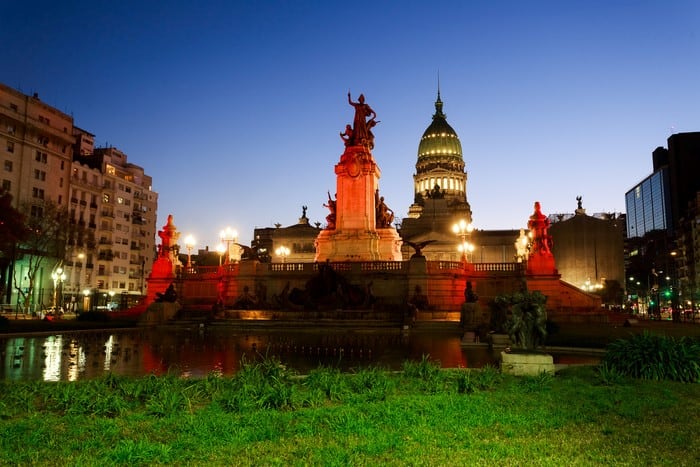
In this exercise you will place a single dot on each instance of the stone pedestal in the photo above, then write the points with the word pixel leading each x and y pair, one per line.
pixel 355 236
pixel 526 364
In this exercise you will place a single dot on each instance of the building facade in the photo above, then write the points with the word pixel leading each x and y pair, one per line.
pixel 110 203
pixel 662 226
pixel 589 252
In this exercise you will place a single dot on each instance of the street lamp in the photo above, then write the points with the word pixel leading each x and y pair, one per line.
pixel 228 236
pixel 283 252
pixel 58 277
pixel 189 244
pixel 86 300
pixel 221 249
pixel 463 229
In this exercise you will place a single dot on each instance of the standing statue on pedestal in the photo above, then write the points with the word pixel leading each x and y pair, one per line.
pixel 330 218
pixel 538 225
pixel 361 133
pixel 384 215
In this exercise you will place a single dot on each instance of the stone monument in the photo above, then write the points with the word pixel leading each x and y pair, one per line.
pixel 359 223
pixel 540 259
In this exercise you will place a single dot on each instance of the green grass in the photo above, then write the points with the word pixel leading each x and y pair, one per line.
pixel 267 415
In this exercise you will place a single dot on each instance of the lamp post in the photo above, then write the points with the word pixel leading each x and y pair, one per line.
pixel 228 236
pixel 58 277
pixel 221 249
pixel 463 230
pixel 283 252
pixel 189 244
pixel 86 300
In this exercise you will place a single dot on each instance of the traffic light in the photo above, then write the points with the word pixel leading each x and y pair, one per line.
pixel 667 293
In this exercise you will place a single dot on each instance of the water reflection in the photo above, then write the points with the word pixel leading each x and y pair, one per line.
pixel 195 352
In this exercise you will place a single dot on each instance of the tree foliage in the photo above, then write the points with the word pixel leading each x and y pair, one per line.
pixel 48 231
pixel 12 226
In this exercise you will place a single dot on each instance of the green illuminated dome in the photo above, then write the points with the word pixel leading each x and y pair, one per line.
pixel 439 145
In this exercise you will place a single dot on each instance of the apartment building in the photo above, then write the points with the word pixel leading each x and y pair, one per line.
pixel 110 202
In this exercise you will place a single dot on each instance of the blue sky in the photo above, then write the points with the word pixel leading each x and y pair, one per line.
pixel 234 107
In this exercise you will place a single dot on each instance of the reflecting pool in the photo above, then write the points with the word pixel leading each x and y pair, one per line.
pixel 195 352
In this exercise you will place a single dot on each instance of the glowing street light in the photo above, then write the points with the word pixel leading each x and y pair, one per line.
pixel 221 249
pixel 189 244
pixel 228 236
pixel 283 252
pixel 463 230
pixel 58 277
pixel 86 299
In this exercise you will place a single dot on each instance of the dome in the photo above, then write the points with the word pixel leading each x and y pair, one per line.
pixel 440 141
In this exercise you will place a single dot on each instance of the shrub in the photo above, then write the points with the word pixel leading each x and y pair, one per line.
pixel 648 356
pixel 609 375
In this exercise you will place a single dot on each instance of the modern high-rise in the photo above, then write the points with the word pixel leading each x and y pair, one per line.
pixel 110 203
pixel 662 211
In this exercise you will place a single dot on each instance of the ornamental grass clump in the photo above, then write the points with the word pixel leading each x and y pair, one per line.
pixel 654 357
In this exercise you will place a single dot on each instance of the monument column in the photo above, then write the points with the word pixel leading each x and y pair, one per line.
pixel 359 224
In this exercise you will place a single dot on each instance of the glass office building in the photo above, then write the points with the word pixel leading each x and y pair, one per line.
pixel 648 205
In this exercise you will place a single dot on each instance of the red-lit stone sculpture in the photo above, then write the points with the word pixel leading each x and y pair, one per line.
pixel 540 258
pixel 358 227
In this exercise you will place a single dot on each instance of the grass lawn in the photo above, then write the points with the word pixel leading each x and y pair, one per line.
pixel 421 416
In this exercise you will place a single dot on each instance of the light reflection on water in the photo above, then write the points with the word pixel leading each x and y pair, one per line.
pixel 194 352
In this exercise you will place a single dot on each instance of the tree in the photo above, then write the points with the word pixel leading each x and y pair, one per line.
pixel 12 231
pixel 48 229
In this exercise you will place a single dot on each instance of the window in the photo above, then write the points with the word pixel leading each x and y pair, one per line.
pixel 38 193
pixel 13 107
pixel 41 157
pixel 39 175
pixel 105 198
pixel 8 166
pixel 10 146
pixel 11 129
pixel 63 165
pixel 120 200
pixel 36 211
pixel 43 140
pixel 6 185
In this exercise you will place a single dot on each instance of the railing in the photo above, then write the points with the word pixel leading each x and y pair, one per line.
pixel 365 266
pixel 499 267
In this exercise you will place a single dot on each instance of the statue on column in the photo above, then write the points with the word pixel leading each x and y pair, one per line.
pixel 168 237
pixel 365 119
pixel 538 225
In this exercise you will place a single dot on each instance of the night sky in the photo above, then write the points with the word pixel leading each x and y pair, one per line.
pixel 235 108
